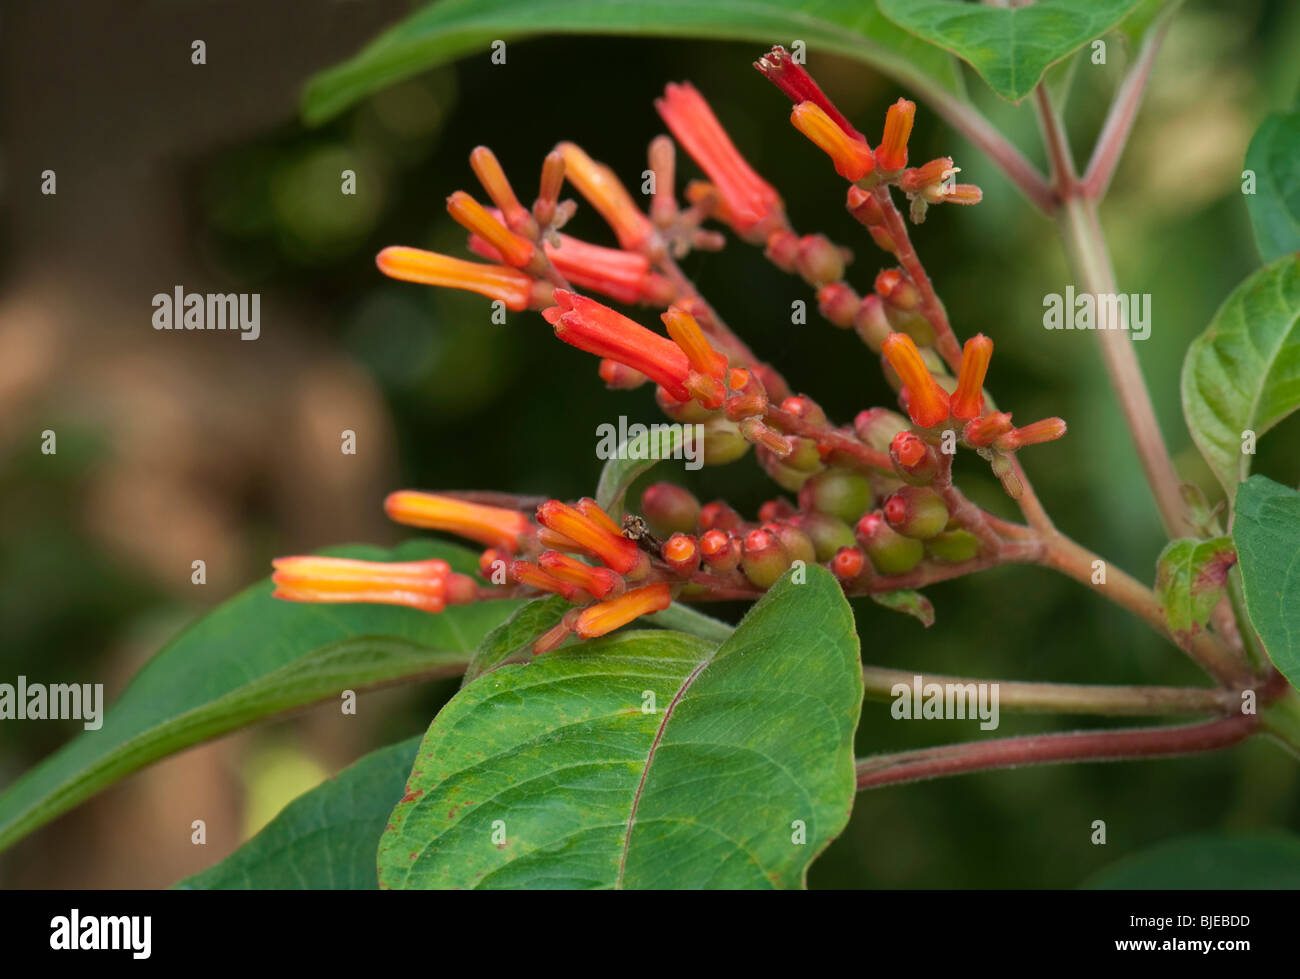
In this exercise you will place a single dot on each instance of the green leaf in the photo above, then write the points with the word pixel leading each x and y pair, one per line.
pixel 1243 373
pixel 634 458
pixel 1266 531
pixel 1011 47
pixel 1258 861
pixel 513 638
pixel 326 838
pixel 554 774
pixel 441 32
pixel 250 658
pixel 685 619
pixel 1191 576
pixel 1274 156
pixel 908 602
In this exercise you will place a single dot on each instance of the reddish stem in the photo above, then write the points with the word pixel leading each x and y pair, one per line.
pixel 1042 749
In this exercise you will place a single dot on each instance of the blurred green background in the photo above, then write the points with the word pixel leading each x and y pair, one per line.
pixel 174 447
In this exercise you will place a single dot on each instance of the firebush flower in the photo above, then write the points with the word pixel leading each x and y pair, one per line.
pixel 426 585
pixel 872 502
pixel 752 206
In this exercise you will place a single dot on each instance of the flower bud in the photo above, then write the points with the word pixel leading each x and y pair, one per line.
pixel 828 534
pixel 981 432
pixel 620 377
pixel 864 207
pixel 890 551
pixel 597 582
pixel 914 459
pixel 897 289
pixel 819 262
pixel 756 431
pixel 1045 430
pixel 840 493
pixel 687 412
pixel 776 509
pixel 804 407
pixel 723 442
pixel 721 551
pixel 719 516
pixel 785 476
pixel 783 250
pixel 953 546
pixel 763 558
pixel 871 323
pixel 916 511
pixel 670 509
pixel 796 543
pixel 911 322
pixel 838 303
pixel 1005 471
pixel 848 563
pixel 878 426
pixel 682 553
pixel 968 400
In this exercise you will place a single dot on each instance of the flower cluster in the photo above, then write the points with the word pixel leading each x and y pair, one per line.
pixel 874 500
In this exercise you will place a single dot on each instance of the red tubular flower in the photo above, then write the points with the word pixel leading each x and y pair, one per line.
pixel 927 401
pixel 793 79
pixel 598 184
pixel 625 277
pixel 527 573
pixel 968 400
pixel 597 329
pixel 750 203
pixel 511 286
pixel 488 170
pixel 981 432
pixel 597 582
pixel 596 620
pixel 425 585
pixel 852 157
pixel 489 525
pixel 472 216
pixel 891 154
pixel 611 548
pixel 1045 430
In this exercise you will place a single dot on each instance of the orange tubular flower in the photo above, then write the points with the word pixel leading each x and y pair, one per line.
pixel 982 431
pixel 485 166
pixel 597 582
pixel 425 585
pixel 511 286
pixel 1046 430
pixel 527 573
pixel 686 333
pixel 968 400
pixel 613 549
pixel 751 205
pixel 625 277
pixel 927 401
pixel 590 509
pixel 489 525
pixel 598 184
pixel 853 158
pixel 597 329
pixel 596 620
pixel 472 216
pixel 891 154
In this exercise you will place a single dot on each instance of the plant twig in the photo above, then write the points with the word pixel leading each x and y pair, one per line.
pixel 1125 744
pixel 1070 698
